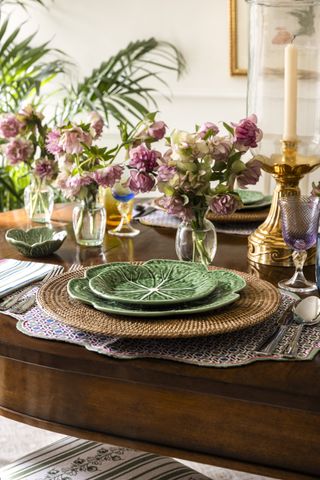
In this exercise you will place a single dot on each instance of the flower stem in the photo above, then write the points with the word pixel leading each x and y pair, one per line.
pixel 199 248
pixel 79 223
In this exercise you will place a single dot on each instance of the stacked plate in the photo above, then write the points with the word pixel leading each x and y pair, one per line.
pixel 253 200
pixel 156 288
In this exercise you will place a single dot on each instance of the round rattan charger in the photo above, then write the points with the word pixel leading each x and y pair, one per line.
pixel 257 301
pixel 238 217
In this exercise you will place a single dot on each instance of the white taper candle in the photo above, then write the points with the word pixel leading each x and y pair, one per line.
pixel 290 92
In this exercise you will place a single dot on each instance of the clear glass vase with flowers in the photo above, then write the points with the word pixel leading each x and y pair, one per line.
pixel 196 173
pixel 83 168
pixel 23 142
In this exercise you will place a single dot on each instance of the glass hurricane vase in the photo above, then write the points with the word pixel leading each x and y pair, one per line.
pixel 39 201
pixel 196 241
pixel 281 31
pixel 89 223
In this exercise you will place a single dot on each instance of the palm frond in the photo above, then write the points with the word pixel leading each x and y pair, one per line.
pixel 24 69
pixel 22 3
pixel 120 87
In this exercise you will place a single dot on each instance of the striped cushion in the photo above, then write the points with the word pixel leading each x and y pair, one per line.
pixel 74 459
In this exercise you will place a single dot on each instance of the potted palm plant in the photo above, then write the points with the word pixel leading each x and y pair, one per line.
pixel 121 88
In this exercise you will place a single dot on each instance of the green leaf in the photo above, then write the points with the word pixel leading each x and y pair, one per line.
pixel 228 128
pixel 237 167
pixel 119 86
pixel 25 68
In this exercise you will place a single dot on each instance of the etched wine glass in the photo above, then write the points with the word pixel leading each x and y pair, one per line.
pixel 300 219
pixel 123 195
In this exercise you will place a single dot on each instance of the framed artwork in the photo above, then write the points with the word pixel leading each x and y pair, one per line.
pixel 239 31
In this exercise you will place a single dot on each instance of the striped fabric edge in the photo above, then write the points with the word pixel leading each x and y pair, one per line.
pixel 15 274
pixel 46 457
pixel 118 464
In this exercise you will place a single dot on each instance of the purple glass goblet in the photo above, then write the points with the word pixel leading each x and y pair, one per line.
pixel 300 219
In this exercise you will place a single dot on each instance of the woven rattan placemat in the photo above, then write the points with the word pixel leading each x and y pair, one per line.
pixel 245 216
pixel 257 301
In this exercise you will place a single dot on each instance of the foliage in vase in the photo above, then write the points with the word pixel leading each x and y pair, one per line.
pixel 198 170
pixel 22 137
pixel 83 165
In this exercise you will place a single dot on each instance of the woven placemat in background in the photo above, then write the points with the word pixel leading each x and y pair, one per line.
pixel 257 301
pixel 245 216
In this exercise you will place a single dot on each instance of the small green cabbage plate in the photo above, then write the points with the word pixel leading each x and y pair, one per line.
pixel 36 242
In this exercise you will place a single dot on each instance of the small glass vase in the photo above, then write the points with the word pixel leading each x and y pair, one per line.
pixel 196 242
pixel 89 223
pixel 39 201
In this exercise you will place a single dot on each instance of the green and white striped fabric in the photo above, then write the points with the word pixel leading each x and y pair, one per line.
pixel 74 459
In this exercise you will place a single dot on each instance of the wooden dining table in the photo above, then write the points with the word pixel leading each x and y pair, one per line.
pixel 261 418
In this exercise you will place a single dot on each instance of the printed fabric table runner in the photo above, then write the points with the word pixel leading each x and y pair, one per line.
pixel 225 350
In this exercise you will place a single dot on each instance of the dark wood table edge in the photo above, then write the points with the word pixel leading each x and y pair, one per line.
pixel 154 448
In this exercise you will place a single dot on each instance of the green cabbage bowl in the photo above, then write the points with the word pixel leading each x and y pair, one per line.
pixel 36 242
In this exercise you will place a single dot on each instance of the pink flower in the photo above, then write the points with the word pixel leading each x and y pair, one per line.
pixel 72 139
pixel 107 177
pixel 19 150
pixel 157 130
pixel 97 123
pixel 52 142
pixel 282 37
pixel 176 206
pixel 165 173
pixel 208 129
pixel 144 159
pixel 224 204
pixel 61 181
pixel 140 182
pixel 220 148
pixel 250 175
pixel 247 133
pixel 9 126
pixel 45 168
pixel 74 184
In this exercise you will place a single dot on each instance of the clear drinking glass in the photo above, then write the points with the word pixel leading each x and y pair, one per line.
pixel 300 220
pixel 124 198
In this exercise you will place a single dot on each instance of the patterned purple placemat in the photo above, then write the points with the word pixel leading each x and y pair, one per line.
pixel 227 350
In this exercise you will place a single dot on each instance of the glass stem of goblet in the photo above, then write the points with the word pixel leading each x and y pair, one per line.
pixel 123 208
pixel 299 257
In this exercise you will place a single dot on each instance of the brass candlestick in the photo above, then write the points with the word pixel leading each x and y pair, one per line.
pixel 266 244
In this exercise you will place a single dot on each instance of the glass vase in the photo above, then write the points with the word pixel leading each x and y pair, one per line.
pixel 196 243
pixel 39 201
pixel 89 224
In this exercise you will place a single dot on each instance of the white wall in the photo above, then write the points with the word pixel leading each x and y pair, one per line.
pixel 92 30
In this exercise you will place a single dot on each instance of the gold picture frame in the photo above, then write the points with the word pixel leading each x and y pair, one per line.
pixel 235 68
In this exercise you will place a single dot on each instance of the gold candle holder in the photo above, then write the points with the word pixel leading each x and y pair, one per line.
pixel 266 245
